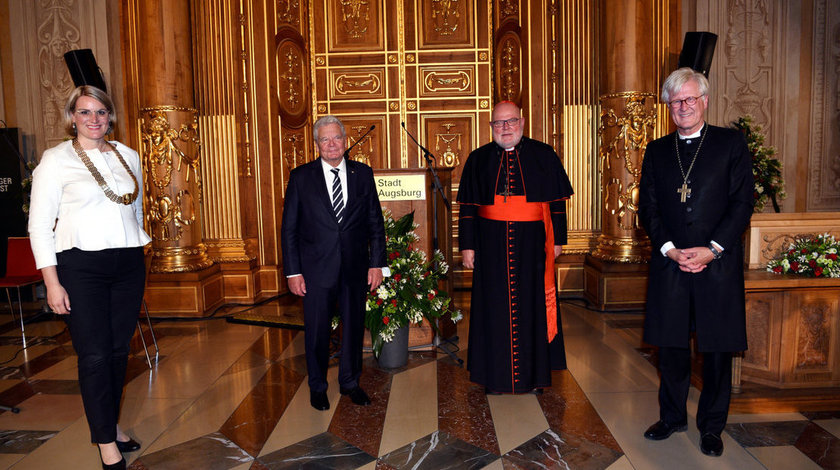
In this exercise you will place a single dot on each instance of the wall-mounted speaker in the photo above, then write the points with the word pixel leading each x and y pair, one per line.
pixel 83 68
pixel 697 51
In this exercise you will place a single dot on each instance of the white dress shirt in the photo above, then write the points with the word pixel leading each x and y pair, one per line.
pixel 329 176
pixel 68 209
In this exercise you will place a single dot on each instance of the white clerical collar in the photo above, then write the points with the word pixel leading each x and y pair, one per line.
pixel 510 149
pixel 692 136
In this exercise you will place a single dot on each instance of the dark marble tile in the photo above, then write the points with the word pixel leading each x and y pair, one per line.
pixel 257 415
pixel 551 450
pixel 247 361
pixel 415 359
pixel 23 442
pixel 16 394
pixel 463 410
pixel 820 446
pixel 570 413
pixel 324 451
pixel 46 360
pixel 210 452
pixel 439 451
pixel 812 415
pixel 11 373
pixel 781 433
pixel 361 426
pixel 56 387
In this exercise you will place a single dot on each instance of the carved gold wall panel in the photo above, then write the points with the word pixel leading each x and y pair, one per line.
pixel 446 23
pixel 355 24
pixel 439 81
pixel 365 83
pixel 450 138
pixel 367 150
pixel 508 77
pixel 293 90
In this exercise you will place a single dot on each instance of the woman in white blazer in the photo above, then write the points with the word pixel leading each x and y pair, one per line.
pixel 86 230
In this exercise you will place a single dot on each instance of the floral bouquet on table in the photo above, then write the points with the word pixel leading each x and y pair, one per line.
pixel 812 257
pixel 410 294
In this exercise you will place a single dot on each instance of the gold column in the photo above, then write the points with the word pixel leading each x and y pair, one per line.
pixel 628 119
pixel 217 77
pixel 169 134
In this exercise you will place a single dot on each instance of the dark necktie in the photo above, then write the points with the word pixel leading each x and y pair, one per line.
pixel 337 197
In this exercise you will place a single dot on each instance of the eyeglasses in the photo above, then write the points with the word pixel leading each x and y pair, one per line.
pixel 690 101
pixel 87 113
pixel 512 122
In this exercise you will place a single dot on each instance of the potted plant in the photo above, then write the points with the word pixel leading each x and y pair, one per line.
pixel 411 292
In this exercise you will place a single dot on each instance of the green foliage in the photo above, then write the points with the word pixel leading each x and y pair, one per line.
pixel 767 170
pixel 809 256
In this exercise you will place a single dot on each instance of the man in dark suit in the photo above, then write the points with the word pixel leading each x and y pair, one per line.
pixel 333 240
pixel 695 201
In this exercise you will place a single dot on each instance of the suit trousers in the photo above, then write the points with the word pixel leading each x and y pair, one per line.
pixel 713 407
pixel 320 304
pixel 106 290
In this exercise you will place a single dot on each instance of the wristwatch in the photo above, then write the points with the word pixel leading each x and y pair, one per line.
pixel 717 254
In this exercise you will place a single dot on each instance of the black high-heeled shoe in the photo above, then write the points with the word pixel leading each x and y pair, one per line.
pixel 128 446
pixel 114 466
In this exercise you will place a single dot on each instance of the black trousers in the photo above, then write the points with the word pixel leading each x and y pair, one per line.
pixel 106 290
pixel 320 304
pixel 713 407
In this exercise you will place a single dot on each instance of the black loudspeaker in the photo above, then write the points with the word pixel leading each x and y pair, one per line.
pixel 697 51
pixel 83 68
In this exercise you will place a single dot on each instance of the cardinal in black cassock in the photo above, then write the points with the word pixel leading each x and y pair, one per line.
pixel 513 195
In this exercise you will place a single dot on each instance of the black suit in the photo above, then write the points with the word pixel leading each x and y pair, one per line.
pixel 711 302
pixel 334 260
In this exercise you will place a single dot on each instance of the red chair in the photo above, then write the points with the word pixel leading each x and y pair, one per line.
pixel 20 272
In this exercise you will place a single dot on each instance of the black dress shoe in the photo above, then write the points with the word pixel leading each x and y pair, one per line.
pixel 711 444
pixel 662 430
pixel 114 466
pixel 357 395
pixel 319 400
pixel 128 446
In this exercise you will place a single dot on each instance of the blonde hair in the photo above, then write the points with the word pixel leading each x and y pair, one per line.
pixel 680 77
pixel 93 92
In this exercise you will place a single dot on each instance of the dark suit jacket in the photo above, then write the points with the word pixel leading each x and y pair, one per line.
pixel 719 209
pixel 315 244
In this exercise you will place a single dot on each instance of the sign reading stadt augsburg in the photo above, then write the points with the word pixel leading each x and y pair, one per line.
pixel 401 187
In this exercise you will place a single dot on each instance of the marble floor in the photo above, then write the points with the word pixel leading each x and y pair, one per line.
pixel 233 396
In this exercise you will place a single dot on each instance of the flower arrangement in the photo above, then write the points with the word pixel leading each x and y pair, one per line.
pixel 767 170
pixel 411 292
pixel 810 256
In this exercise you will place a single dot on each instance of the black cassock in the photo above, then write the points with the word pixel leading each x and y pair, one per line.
pixel 508 346
pixel 719 209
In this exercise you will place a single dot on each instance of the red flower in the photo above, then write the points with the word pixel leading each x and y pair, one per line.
pixel 426 274
pixel 812 263
pixel 777 269
pixel 832 256
pixel 393 255
pixel 431 295
pixel 378 301
pixel 394 302
pixel 794 266
pixel 803 251
pixel 385 320
pixel 397 276
pixel 791 252
pixel 818 271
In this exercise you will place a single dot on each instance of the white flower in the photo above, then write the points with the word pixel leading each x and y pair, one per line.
pixel 382 292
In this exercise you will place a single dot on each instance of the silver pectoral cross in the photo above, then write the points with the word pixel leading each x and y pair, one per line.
pixel 684 191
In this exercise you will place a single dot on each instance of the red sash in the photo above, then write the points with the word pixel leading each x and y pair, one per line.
pixel 517 209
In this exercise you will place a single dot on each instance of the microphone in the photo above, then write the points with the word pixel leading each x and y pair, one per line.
pixel 426 152
pixel 347 152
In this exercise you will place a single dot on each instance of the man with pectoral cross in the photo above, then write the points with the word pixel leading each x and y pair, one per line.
pixel 695 201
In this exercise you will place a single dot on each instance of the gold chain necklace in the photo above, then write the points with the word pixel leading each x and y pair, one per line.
pixel 126 198
pixel 684 190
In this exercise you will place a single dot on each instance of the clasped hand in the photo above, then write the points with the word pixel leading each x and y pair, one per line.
pixel 691 260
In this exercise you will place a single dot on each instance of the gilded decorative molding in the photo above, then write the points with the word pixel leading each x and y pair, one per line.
pixel 288 12
pixel 355 16
pixel 363 150
pixel 510 80
pixel 180 260
pixel 451 81
pixel 445 16
pixel 449 146
pixel 627 125
pixel 294 149
pixel 357 83
pixel 508 9
pixel 291 77
pixel 162 144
